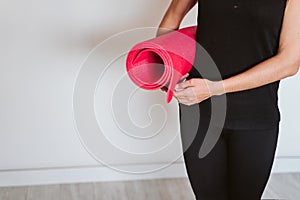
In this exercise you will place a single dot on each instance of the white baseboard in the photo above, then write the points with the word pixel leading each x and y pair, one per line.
pixel 86 174
pixel 102 173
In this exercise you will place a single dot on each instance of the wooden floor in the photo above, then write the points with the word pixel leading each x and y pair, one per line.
pixel 280 186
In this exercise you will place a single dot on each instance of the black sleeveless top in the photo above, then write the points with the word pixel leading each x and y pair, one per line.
pixel 238 34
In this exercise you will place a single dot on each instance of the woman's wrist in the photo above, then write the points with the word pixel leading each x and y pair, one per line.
pixel 162 30
pixel 216 88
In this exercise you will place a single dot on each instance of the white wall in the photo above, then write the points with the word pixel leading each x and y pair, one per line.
pixel 43 46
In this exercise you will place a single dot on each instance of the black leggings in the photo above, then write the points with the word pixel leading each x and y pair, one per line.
pixel 237 168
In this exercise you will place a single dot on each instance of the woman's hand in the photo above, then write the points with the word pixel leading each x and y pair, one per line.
pixel 196 90
pixel 165 89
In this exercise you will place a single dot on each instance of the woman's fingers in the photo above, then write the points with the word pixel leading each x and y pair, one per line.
pixel 164 89
pixel 183 85
pixel 184 93
pixel 183 77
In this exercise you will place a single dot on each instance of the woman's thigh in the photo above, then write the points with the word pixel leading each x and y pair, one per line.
pixel 208 175
pixel 250 158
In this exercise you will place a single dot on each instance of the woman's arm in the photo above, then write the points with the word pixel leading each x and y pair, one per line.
pixel 174 15
pixel 284 64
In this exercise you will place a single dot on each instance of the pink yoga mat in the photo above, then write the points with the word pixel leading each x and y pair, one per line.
pixel 163 60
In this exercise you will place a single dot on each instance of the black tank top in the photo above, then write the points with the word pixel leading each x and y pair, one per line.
pixel 238 34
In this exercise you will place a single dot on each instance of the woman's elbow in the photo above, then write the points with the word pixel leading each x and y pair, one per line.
pixel 294 70
pixel 293 66
pixel 290 62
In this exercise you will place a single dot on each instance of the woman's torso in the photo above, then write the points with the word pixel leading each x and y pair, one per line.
pixel 238 35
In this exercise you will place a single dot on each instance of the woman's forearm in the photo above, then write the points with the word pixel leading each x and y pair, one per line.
pixel 174 15
pixel 268 71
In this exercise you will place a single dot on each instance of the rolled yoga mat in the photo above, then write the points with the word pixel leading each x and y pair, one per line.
pixel 163 60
